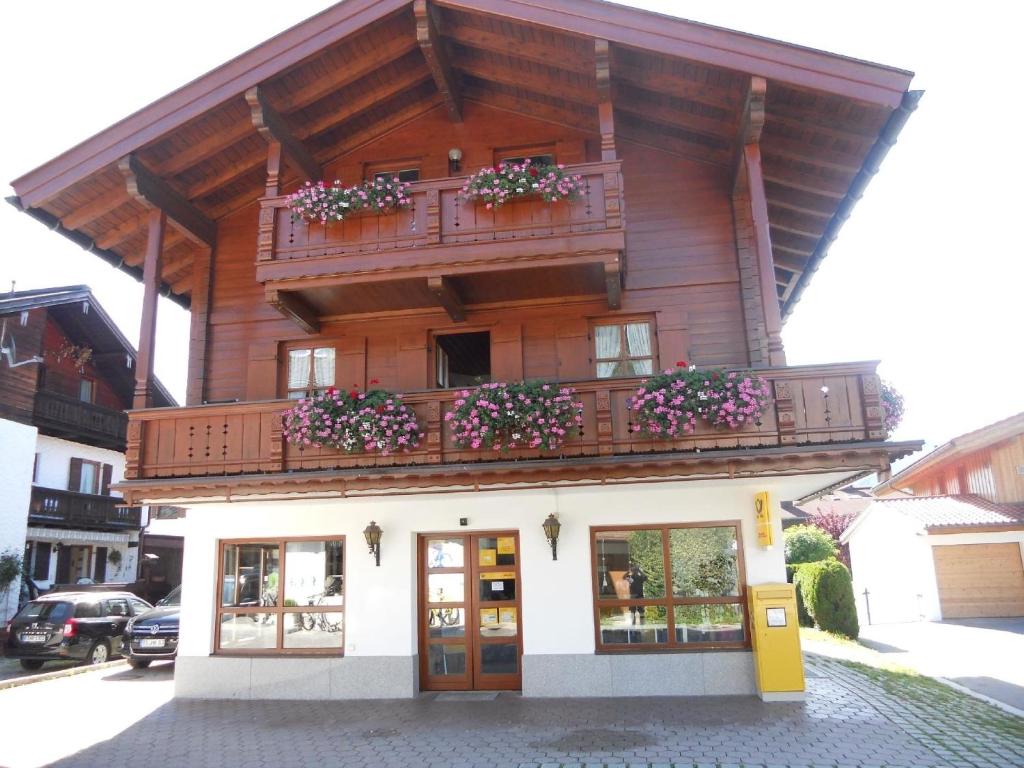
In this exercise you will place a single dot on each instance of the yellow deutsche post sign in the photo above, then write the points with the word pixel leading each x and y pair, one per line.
pixel 763 510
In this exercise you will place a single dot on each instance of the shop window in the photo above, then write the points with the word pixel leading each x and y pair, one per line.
pixel 281 596
pixel 462 359
pixel 623 349
pixel 310 371
pixel 669 587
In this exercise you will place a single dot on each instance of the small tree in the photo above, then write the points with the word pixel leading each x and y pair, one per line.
pixel 807 544
pixel 10 572
pixel 827 591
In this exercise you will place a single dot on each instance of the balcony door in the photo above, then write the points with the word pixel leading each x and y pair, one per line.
pixel 469 612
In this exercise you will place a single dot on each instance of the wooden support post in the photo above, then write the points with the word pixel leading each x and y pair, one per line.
pixel 202 271
pixel 763 246
pixel 437 59
pixel 613 284
pixel 448 297
pixel 605 112
pixel 150 292
pixel 274 128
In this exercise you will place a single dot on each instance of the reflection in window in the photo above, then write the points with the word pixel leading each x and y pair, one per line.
pixel 697 601
pixel 623 350
pixel 259 612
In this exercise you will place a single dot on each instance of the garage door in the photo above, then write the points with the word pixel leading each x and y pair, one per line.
pixel 979 580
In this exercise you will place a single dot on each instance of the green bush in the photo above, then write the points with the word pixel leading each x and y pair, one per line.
pixel 808 544
pixel 828 596
pixel 803 617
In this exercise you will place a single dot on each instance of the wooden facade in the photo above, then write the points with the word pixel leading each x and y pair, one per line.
pixel 718 168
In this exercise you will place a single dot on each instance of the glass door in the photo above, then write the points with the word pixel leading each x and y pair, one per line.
pixel 470 632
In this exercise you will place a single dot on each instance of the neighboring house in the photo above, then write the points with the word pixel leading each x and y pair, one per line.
pixel 937 557
pixel 988 462
pixel 70 377
pixel 18 443
pixel 944 538
pixel 715 170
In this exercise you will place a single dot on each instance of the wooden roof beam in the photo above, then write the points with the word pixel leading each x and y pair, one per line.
pixel 806 182
pixel 434 52
pixel 448 297
pixel 154 192
pixel 273 127
pixel 605 111
pixel 751 124
pixel 96 208
pixel 294 308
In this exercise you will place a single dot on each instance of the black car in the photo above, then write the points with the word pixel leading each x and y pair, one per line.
pixel 87 626
pixel 154 635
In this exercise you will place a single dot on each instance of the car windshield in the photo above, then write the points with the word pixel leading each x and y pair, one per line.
pixel 46 610
pixel 172 599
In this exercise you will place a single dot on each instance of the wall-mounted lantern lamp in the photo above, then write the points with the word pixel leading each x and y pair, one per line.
pixel 372 532
pixel 551 529
pixel 454 161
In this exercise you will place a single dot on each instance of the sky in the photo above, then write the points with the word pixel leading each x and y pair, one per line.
pixel 927 276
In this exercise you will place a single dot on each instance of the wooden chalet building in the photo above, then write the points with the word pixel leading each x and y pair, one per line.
pixel 715 169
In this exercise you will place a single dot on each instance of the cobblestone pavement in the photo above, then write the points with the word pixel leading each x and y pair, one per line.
pixel 852 717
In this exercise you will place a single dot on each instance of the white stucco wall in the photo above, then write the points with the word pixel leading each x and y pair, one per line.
pixel 55 461
pixel 891 558
pixel 380 602
pixel 17 447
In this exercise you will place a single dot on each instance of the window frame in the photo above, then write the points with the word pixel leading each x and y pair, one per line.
pixel 97 477
pixel 285 362
pixel 621 323
pixel 85 380
pixel 400 165
pixel 529 151
pixel 279 610
pixel 669 601
pixel 432 356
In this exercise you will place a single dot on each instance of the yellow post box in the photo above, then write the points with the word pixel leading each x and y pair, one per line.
pixel 776 641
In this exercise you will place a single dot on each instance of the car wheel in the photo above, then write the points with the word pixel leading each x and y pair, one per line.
pixel 99 653
pixel 139 663
pixel 31 665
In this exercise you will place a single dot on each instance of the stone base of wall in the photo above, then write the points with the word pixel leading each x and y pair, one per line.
pixel 649 674
pixel 397 677
pixel 349 677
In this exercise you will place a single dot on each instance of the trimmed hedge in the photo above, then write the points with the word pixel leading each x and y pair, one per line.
pixel 803 617
pixel 808 544
pixel 827 590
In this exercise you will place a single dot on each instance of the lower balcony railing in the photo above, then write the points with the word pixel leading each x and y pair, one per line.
pixel 51 506
pixel 810 405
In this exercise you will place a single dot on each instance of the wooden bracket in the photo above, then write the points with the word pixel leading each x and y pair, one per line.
pixel 154 192
pixel 605 111
pixel 294 308
pixel 613 283
pixel 448 297
pixel 752 116
pixel 437 59
pixel 273 127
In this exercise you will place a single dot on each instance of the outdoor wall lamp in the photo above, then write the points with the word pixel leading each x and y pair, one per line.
pixel 454 160
pixel 551 529
pixel 372 532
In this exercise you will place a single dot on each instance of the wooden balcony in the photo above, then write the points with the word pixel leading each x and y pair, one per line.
pixel 67 509
pixel 445 250
pixel 70 418
pixel 246 438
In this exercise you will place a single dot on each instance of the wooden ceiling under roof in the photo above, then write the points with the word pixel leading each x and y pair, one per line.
pixel 828 120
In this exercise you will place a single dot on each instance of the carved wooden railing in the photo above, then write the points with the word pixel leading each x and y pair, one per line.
pixel 51 506
pixel 439 217
pixel 243 438
pixel 72 416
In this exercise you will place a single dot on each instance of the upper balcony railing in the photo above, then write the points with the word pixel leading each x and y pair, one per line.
pixel 425 233
pixel 75 419
pixel 51 506
pixel 244 438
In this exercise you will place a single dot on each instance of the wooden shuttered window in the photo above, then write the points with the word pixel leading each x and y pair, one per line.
pixel 86 476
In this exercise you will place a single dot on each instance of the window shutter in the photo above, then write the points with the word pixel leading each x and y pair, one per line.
pixel 75 476
pixel 108 472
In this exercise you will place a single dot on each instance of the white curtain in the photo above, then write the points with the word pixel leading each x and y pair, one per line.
pixel 298 369
pixel 638 338
pixel 608 341
pixel 323 367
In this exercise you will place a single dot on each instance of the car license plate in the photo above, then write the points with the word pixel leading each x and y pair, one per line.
pixel 151 642
pixel 33 638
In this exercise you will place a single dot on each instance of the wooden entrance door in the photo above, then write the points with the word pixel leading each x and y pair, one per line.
pixel 470 612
